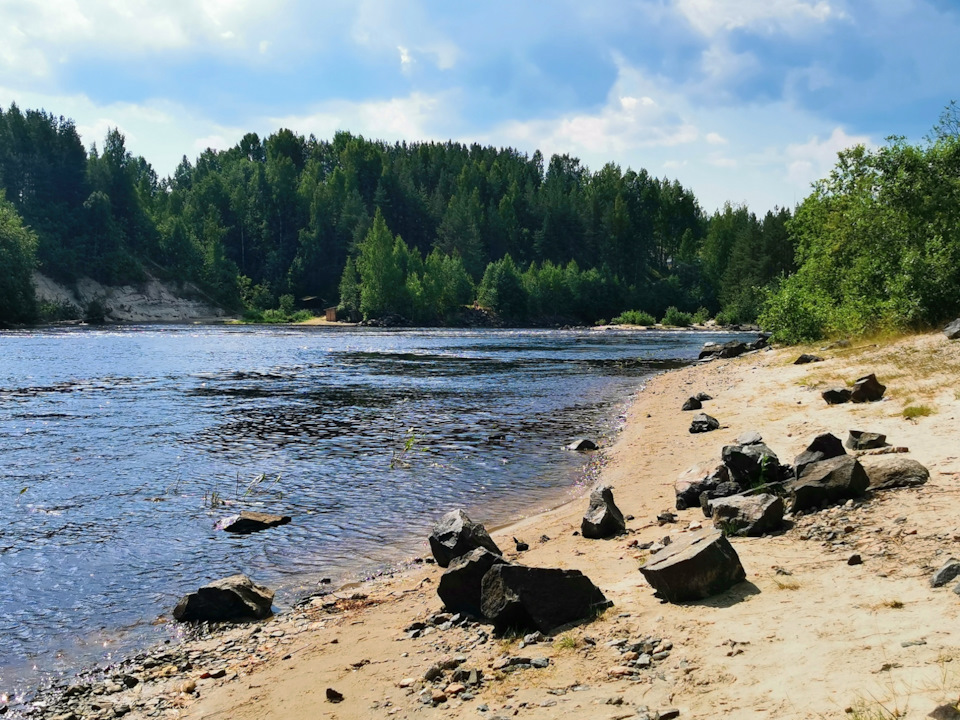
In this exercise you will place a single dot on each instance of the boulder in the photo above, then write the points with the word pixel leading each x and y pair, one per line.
pixel 730 349
pixel 747 514
pixel 807 358
pixel 750 464
pixel 860 440
pixel 232 599
pixel 603 518
pixel 582 445
pixel 703 397
pixel 694 566
pixel 836 396
pixel 692 404
pixel 952 331
pixel 703 423
pixel 947 572
pixel 695 481
pixel 890 471
pixel 249 522
pixel 460 585
pixel 455 535
pixel 867 389
pixel 519 597
pixel 823 447
pixel 827 482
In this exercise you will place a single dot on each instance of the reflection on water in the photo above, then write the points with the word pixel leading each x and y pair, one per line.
pixel 121 448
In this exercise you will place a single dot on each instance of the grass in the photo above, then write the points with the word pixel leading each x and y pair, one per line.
pixel 786 584
pixel 566 642
pixel 912 412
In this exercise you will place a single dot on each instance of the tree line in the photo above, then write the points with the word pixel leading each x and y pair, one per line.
pixel 418 229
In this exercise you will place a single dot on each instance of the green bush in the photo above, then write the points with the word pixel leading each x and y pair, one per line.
pixel 795 313
pixel 674 318
pixel 634 317
pixel 701 316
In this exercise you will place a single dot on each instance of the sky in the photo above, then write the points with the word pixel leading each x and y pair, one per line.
pixel 742 101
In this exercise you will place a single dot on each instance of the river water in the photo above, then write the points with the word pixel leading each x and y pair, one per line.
pixel 120 448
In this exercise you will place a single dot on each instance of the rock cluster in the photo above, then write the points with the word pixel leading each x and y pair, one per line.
pixel 733 348
pixel 455 534
pixel 479 582
pixel 865 389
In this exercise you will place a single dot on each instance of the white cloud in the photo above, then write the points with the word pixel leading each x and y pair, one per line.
pixel 716 139
pixel 815 158
pixel 711 17
pixel 386 26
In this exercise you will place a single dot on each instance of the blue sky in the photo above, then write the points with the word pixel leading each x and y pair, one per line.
pixel 745 101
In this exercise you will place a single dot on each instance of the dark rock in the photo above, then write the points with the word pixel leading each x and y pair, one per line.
pixel 945 712
pixel 666 518
pixel 582 445
pixel 695 481
pixel 750 464
pixel 603 518
pixel 695 566
pixel 724 489
pixel 860 440
pixel 807 358
pixel 249 522
pixel 867 389
pixel 889 471
pixel 730 349
pixel 692 404
pixel 952 331
pixel 855 560
pixel 231 599
pixel 455 535
pixel 747 514
pixel 518 597
pixel 702 397
pixel 521 545
pixel 823 447
pixel 836 396
pixel 703 423
pixel 947 572
pixel 334 696
pixel 827 481
pixel 459 587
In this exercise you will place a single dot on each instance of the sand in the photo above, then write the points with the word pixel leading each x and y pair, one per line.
pixel 827 640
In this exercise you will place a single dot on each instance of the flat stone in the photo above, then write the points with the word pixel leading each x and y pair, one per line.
pixel 696 565
pixel 249 521
pixel 861 440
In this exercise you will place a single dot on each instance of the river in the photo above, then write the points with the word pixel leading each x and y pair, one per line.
pixel 120 448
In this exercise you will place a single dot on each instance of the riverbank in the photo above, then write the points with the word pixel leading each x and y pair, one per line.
pixel 826 638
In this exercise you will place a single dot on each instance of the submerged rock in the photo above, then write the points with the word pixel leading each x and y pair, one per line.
pixel 582 445
pixel 249 521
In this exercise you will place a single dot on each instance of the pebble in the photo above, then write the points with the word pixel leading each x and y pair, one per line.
pixel 454 689
pixel 437 697
pixel 621 671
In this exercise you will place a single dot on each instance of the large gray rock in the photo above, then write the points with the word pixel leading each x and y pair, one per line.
pixel 952 331
pixel 249 521
pixel 603 518
pixel 694 566
pixel 861 440
pixel 823 447
pixel 460 586
pixel 889 471
pixel 456 534
pixel 516 597
pixel 750 464
pixel 950 570
pixel 747 514
pixel 867 389
pixel 232 599
pixel 692 403
pixel 827 482
pixel 703 423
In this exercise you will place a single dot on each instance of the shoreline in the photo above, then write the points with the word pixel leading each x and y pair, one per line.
pixel 826 638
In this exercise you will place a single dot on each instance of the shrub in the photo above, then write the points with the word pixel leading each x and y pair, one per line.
pixel 674 318
pixel 634 317
pixel 701 316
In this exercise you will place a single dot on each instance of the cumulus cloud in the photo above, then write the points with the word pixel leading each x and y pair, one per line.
pixel 710 17
pixel 815 158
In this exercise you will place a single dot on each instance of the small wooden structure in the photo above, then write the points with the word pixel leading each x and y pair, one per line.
pixel 331 314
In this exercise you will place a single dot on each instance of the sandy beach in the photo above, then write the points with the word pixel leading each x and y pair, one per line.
pixel 807 635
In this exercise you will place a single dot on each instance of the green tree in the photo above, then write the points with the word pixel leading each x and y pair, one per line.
pixel 17 261
pixel 381 278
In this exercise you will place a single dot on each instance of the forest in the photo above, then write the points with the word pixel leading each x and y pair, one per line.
pixel 423 230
